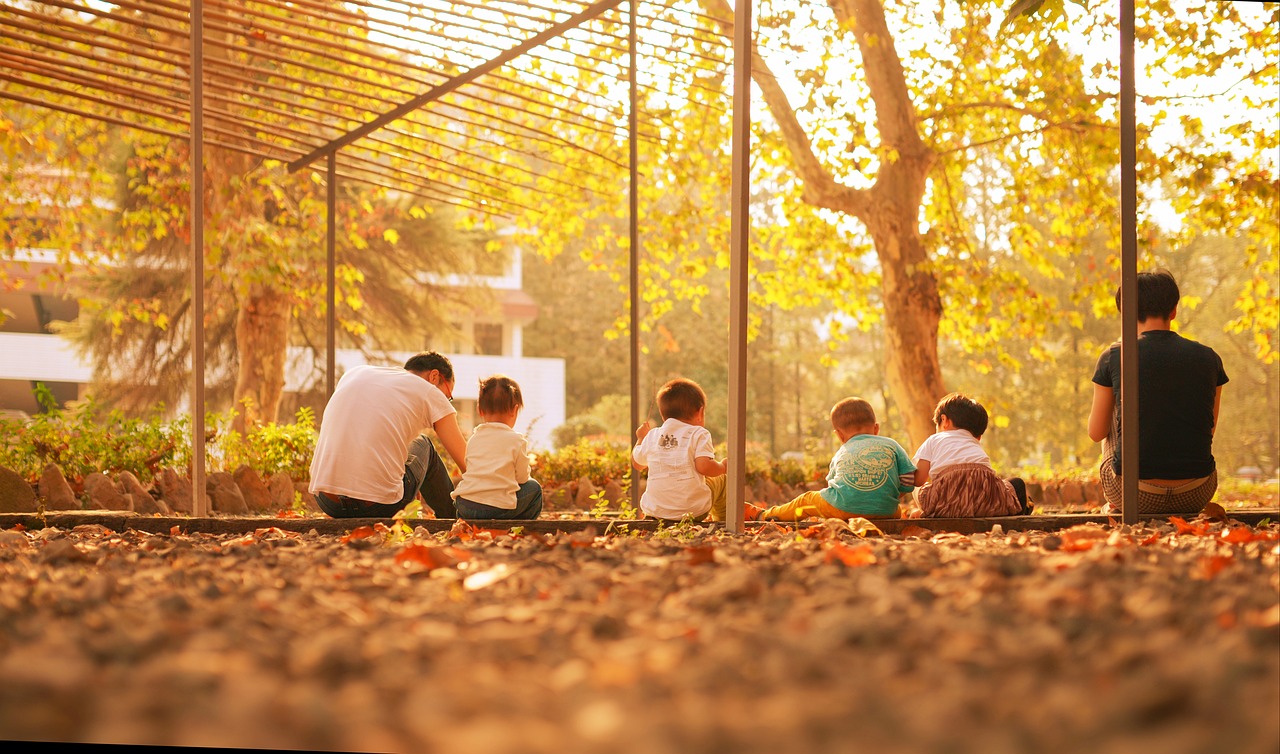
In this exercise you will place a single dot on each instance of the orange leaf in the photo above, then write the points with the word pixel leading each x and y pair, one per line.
pixel 288 514
pixel 174 530
pixel 1185 528
pixel 1243 535
pixel 1210 566
pixel 701 554
pixel 360 532
pixel 429 558
pixel 913 530
pixel 1151 540
pixel 814 532
pixel 1213 512
pixel 853 557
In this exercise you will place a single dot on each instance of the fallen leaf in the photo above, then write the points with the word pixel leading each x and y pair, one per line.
pixel 1210 566
pixel 1243 535
pixel 487 577
pixel 1182 527
pixel 1213 512
pixel 1269 618
pixel 175 530
pixel 360 532
pixel 912 530
pixel 853 557
pixel 430 558
pixel 701 554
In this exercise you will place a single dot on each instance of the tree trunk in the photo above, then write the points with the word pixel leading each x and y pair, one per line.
pixel 262 335
pixel 890 208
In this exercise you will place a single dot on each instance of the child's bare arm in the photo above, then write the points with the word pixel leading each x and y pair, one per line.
pixel 922 472
pixel 710 466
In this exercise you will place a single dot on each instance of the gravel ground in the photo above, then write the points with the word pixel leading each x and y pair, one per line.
pixel 1162 637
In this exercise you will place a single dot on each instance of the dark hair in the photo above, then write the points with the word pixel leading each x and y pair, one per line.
pixel 499 394
pixel 425 361
pixel 680 399
pixel 963 411
pixel 851 413
pixel 1157 295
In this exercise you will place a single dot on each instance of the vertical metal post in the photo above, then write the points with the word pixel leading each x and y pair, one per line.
pixel 739 236
pixel 633 237
pixel 1128 269
pixel 331 277
pixel 198 500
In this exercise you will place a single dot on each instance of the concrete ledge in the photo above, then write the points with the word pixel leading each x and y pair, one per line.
pixel 122 521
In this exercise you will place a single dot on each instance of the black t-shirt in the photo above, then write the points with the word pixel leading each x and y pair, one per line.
pixel 1177 381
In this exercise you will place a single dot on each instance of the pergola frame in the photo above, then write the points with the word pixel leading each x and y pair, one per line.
pixel 739 222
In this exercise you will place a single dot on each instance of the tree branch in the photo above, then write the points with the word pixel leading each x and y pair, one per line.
pixel 820 186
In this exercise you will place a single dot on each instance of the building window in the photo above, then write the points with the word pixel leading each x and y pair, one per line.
pixel 488 338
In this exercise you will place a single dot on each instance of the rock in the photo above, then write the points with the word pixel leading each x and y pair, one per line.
pixel 1035 491
pixel 175 491
pixel 308 499
pixel 1072 493
pixel 770 493
pixel 1093 492
pixel 280 487
pixel 143 502
pixel 224 495
pixel 16 496
pixel 583 498
pixel 613 492
pixel 104 495
pixel 257 498
pixel 557 498
pixel 54 490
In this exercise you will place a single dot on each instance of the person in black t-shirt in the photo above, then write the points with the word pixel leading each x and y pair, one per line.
pixel 1179 391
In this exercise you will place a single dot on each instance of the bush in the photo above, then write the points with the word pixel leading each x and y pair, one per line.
pixel 595 460
pixel 80 440
pixel 268 449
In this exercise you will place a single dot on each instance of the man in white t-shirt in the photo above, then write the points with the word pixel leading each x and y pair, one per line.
pixel 371 458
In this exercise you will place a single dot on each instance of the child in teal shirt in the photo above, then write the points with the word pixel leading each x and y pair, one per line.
pixel 867 475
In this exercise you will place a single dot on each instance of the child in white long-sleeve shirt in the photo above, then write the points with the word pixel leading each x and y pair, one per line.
pixel 496 484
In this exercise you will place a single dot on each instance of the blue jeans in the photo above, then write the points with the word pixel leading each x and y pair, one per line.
pixel 528 505
pixel 423 472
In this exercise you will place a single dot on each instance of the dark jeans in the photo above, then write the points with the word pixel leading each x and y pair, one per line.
pixel 528 505
pixel 423 472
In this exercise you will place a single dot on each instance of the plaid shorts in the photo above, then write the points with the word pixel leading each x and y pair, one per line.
pixel 1189 498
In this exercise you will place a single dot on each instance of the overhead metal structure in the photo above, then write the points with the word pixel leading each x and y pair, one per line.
pixel 296 80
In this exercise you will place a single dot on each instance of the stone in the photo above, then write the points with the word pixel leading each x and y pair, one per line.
pixel 308 499
pixel 143 501
pixel 1072 493
pixel 224 495
pixel 557 498
pixel 770 493
pixel 16 496
pixel 55 492
pixel 1093 492
pixel 175 490
pixel 103 494
pixel 257 498
pixel 583 497
pixel 280 487
pixel 613 492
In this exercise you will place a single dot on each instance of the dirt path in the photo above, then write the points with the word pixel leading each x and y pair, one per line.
pixel 1093 639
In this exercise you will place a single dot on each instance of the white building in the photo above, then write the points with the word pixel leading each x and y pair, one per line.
pixel 482 344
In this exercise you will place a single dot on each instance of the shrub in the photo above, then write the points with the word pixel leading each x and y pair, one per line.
pixel 595 460
pixel 268 449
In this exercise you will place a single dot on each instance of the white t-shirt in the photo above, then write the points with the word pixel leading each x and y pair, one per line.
pixel 675 487
pixel 943 449
pixel 497 464
pixel 374 414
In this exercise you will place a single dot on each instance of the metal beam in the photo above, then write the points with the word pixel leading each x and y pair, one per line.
pixel 331 277
pixel 633 239
pixel 1128 270
pixel 198 504
pixel 739 237
pixel 461 79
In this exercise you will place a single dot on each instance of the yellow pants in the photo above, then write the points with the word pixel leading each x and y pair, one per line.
pixel 810 505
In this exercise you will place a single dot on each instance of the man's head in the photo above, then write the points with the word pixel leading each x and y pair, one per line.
pixel 963 411
pixel 1157 295
pixel 681 399
pixel 433 368
pixel 499 396
pixel 853 416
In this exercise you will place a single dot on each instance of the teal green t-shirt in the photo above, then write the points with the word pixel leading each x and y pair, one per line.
pixel 864 475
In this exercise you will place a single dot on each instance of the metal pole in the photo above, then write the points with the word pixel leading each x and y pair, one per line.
pixel 1128 270
pixel 198 500
pixel 634 238
pixel 740 219
pixel 331 318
